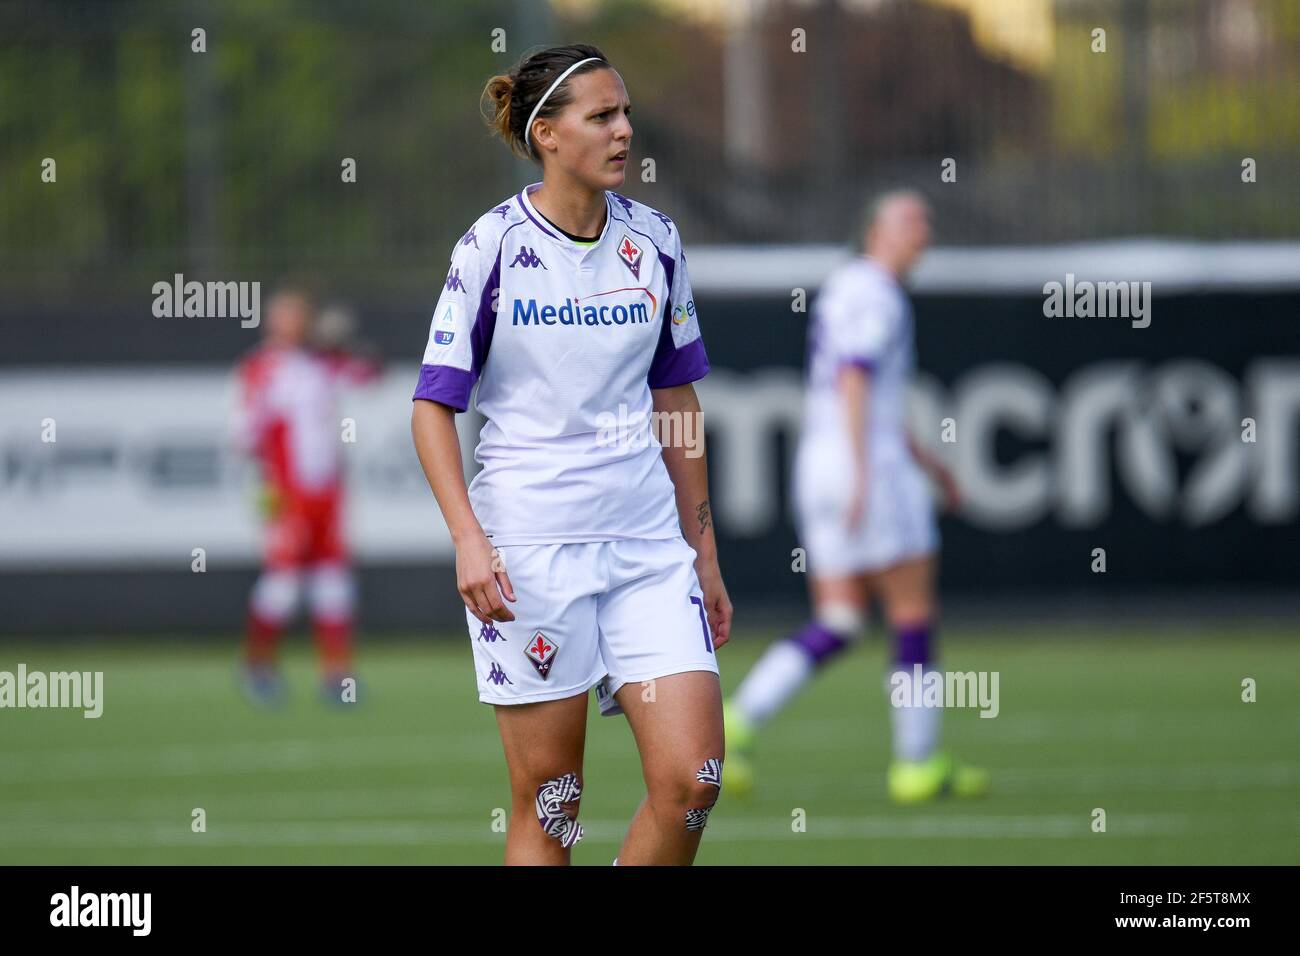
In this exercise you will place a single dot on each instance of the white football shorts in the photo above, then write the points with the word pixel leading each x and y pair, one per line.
pixel 593 614
pixel 898 523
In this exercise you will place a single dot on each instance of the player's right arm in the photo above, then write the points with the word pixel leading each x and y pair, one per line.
pixel 480 579
pixel 859 323
pixel 447 374
pixel 853 383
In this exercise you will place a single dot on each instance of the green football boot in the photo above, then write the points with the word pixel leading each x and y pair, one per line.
pixel 938 775
pixel 737 769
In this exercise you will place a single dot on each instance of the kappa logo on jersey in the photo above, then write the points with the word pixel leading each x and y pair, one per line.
pixel 497 676
pixel 443 338
pixel 453 281
pixel 470 237
pixel 527 258
pixel 542 653
pixel 630 253
pixel 490 634
pixel 502 211
pixel 627 203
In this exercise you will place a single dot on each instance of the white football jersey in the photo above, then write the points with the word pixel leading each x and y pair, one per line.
pixel 861 316
pixel 565 341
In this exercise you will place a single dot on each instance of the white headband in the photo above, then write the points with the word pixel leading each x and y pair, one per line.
pixel 528 130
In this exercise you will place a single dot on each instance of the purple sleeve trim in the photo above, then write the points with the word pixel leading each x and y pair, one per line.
pixel 485 320
pixel 679 366
pixel 445 384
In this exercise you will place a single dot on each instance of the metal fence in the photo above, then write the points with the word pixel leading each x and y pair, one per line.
pixel 755 122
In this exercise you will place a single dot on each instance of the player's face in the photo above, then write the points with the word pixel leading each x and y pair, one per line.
pixel 593 134
pixel 902 231
pixel 914 227
pixel 288 319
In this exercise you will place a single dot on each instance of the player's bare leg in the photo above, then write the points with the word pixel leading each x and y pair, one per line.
pixel 543 744
pixel 678 732
pixel 907 591
pixel 839 605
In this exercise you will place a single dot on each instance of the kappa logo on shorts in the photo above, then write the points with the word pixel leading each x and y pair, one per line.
pixel 541 652
pixel 497 676
pixel 489 633
pixel 630 253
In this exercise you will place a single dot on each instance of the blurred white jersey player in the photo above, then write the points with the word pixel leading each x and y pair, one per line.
pixel 863 506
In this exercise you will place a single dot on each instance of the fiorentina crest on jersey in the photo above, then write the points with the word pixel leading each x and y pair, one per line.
pixel 541 651
pixel 630 253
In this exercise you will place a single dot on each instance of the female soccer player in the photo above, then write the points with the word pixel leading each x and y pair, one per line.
pixel 570 306
pixel 864 509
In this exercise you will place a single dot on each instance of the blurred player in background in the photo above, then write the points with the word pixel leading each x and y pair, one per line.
pixel 289 422
pixel 863 507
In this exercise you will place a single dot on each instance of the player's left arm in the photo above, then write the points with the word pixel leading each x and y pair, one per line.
pixel 681 433
pixel 936 469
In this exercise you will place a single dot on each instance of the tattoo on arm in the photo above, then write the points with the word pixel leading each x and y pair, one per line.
pixel 702 512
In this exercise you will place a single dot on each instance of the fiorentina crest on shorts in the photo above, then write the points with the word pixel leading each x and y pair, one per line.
pixel 630 253
pixel 541 650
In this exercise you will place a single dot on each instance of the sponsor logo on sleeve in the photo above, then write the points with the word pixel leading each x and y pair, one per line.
pixel 448 316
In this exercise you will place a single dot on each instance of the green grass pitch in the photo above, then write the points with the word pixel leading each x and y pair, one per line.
pixel 1147 725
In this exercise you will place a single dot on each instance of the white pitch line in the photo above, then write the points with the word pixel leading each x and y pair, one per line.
pixel 246 757
pixel 1123 778
pixel 417 834
pixel 299 804
pixel 831 733
pixel 180 760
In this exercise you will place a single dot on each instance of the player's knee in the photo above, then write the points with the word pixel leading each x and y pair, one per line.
pixel 556 802
pixel 703 794
pixel 333 591
pixel 842 619
pixel 688 797
pixel 275 595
